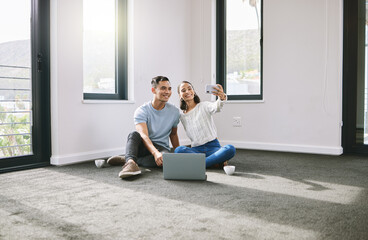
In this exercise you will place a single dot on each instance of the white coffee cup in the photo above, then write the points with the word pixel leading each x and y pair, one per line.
pixel 100 163
pixel 229 170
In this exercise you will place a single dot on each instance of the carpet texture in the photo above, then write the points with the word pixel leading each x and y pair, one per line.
pixel 272 195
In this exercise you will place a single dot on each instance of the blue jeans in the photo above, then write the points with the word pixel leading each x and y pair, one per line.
pixel 215 154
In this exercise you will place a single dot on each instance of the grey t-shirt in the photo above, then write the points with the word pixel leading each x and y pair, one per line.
pixel 159 122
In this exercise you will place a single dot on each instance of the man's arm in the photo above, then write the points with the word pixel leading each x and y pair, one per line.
pixel 174 138
pixel 143 131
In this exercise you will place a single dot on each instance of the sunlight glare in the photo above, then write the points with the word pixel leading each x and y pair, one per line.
pixel 71 201
pixel 15 20
pixel 304 188
pixel 242 17
pixel 97 18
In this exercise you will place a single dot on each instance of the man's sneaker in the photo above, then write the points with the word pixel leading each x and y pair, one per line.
pixel 116 160
pixel 129 169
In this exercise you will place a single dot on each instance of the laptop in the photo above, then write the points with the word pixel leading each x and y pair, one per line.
pixel 184 166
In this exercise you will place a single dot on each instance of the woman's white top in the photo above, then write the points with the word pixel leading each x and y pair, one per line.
pixel 198 123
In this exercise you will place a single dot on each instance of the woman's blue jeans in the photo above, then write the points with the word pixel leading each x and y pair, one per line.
pixel 215 154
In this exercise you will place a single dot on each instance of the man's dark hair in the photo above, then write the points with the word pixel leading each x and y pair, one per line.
pixel 183 104
pixel 156 80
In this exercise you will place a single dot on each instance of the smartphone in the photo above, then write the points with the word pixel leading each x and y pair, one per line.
pixel 210 88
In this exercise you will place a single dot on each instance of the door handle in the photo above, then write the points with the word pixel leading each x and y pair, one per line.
pixel 39 62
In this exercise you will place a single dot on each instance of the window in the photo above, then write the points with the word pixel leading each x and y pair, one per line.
pixel 15 79
pixel 24 84
pixel 239 48
pixel 105 49
pixel 355 77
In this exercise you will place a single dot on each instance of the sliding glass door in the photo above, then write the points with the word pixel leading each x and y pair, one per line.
pixel 24 84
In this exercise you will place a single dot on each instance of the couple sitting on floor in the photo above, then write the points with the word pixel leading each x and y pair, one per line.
pixel 156 122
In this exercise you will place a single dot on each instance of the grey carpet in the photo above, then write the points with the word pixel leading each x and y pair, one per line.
pixel 271 196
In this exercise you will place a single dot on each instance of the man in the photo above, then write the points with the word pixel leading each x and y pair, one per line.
pixel 155 122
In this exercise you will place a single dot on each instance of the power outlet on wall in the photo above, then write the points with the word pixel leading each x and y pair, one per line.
pixel 237 122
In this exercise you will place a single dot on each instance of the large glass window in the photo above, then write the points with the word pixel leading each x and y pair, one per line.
pixel 362 76
pixel 15 79
pixel 104 49
pixel 24 84
pixel 355 77
pixel 239 48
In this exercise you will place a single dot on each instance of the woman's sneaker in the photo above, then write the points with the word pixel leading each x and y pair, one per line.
pixel 130 168
pixel 116 160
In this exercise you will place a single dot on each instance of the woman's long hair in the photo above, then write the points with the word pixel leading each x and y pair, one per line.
pixel 183 104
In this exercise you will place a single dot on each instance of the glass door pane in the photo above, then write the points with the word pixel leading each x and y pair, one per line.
pixel 99 46
pixel 243 49
pixel 15 79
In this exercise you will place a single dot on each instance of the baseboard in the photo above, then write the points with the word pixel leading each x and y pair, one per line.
pixel 324 150
pixel 59 160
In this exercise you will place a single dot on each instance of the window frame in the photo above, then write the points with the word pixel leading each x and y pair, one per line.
pixel 40 75
pixel 121 57
pixel 350 79
pixel 221 52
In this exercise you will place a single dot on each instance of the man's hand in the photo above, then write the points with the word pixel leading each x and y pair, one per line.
pixel 158 158
pixel 143 131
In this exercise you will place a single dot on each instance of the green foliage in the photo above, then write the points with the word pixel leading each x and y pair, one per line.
pixel 14 125
pixel 98 59
pixel 11 123
pixel 243 51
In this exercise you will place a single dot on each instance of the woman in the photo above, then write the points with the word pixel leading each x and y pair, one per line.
pixel 200 127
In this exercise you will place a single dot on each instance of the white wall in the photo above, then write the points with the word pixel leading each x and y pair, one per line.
pixel 302 77
pixel 84 131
